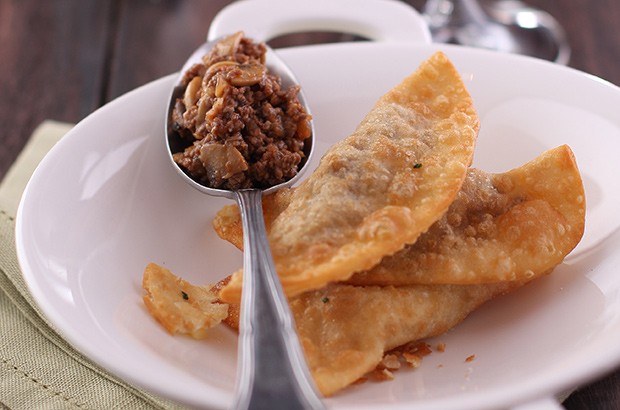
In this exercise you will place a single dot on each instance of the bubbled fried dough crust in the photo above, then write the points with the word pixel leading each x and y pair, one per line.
pixel 510 226
pixel 345 330
pixel 363 202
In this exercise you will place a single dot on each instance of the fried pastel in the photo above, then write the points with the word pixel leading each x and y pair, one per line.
pixel 345 330
pixel 501 227
pixel 333 322
pixel 380 188
pixel 180 307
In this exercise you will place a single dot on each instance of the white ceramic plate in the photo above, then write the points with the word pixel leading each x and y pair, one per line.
pixel 106 201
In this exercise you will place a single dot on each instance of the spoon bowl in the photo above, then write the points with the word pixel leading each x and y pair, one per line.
pixel 276 66
pixel 271 368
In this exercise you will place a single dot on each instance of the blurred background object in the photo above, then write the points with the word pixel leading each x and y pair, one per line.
pixel 504 25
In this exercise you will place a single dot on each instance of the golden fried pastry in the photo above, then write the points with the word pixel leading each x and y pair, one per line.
pixel 501 231
pixel 501 227
pixel 346 329
pixel 380 188
pixel 179 306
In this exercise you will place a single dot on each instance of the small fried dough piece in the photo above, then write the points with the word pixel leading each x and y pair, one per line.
pixel 501 227
pixel 179 306
pixel 380 188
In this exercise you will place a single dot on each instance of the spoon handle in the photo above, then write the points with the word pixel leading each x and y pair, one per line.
pixel 272 372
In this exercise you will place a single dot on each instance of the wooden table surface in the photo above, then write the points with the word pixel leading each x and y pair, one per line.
pixel 62 59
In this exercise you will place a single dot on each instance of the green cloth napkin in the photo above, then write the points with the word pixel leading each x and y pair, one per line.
pixel 38 369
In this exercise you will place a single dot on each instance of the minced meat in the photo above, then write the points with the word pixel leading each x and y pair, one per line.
pixel 241 128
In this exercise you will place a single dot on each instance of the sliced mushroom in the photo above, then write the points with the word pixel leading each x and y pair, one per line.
pixel 221 161
pixel 220 86
pixel 203 108
pixel 214 110
pixel 227 46
pixel 214 68
pixel 247 74
pixel 191 92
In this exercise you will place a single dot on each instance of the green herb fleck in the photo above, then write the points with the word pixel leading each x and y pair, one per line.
pixel 417 165
pixel 185 295
pixel 325 299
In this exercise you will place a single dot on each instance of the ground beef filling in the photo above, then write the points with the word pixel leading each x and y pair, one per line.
pixel 242 129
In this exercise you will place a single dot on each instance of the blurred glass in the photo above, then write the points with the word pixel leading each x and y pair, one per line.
pixel 503 25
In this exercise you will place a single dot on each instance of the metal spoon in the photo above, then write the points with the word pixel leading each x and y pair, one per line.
pixel 271 369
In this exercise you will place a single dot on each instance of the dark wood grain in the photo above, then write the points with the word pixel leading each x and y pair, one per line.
pixel 154 39
pixel 603 394
pixel 51 65
pixel 62 59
